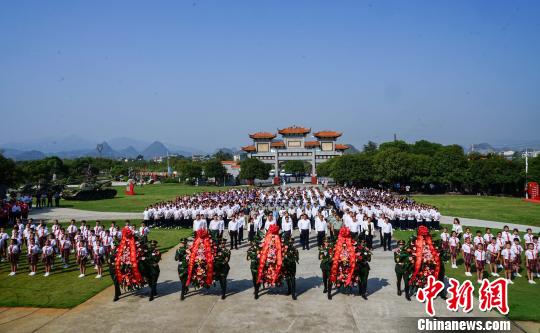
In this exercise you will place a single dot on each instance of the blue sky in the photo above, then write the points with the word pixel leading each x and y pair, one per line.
pixel 207 73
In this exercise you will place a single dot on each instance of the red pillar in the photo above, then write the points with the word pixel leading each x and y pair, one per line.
pixel 276 180
pixel 314 180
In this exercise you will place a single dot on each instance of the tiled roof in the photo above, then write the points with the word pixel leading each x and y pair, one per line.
pixel 341 147
pixel 294 130
pixel 277 144
pixel 262 135
pixel 310 144
pixel 328 134
pixel 249 148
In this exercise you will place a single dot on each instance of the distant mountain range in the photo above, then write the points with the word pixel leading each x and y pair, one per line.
pixel 485 148
pixel 74 146
pixel 123 147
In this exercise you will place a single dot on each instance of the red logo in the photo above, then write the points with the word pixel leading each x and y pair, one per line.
pixel 428 294
pixel 460 296
pixel 494 295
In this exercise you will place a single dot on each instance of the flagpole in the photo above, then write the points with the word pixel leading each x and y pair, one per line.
pixel 526 172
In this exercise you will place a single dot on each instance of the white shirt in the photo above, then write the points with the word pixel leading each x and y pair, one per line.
pixel 199 224
pixel 387 228
pixel 286 224
pixel 304 224
pixel 320 225
pixel 232 225
pixel 480 255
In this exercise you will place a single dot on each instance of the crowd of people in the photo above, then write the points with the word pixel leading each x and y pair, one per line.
pixel 505 251
pixel 366 212
pixel 40 244
pixel 314 211
pixel 19 207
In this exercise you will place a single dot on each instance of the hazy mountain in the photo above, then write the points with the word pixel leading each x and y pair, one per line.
pixel 52 145
pixel 352 149
pixel 155 149
pixel 125 143
pixel 20 155
pixel 129 152
pixel 231 151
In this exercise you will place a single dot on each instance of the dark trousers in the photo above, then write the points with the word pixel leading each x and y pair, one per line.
pixel 387 241
pixel 287 235
pixel 240 235
pixel 233 235
pixel 304 238
pixel 369 241
pixel 320 237
pixel 405 277
pixel 363 280
pixel 354 235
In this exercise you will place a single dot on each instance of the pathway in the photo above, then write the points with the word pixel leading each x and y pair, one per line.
pixel 204 311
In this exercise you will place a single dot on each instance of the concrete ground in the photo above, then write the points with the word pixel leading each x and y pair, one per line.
pixel 204 311
pixel 66 214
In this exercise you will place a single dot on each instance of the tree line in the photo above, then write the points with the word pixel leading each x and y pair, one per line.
pixel 431 167
pixel 73 171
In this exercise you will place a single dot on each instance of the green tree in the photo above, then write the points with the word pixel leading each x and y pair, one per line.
pixel 370 147
pixel 252 168
pixel 295 167
pixel 354 168
pixel 534 169
pixel 214 169
pixel 190 170
pixel 8 171
pixel 221 155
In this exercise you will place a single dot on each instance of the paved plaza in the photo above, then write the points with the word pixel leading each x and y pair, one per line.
pixel 204 311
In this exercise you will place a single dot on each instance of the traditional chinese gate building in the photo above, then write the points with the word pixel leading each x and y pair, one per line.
pixel 295 145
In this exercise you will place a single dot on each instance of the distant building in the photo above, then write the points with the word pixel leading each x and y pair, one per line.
pixel 531 153
pixel 294 145
pixel 232 167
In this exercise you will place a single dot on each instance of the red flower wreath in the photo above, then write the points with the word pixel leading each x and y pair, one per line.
pixel 344 242
pixel 127 261
pixel 427 261
pixel 271 272
pixel 202 238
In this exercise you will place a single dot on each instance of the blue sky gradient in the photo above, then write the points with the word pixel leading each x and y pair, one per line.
pixel 207 73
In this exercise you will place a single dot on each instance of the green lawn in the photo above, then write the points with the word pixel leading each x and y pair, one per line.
pixel 522 296
pixel 63 288
pixel 146 195
pixel 501 209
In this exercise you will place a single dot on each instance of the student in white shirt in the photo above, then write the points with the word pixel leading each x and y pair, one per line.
pixel 467 252
pixel 286 226
pixel 304 225
pixel 492 256
pixel 321 228
pixel 454 246
pixel 387 233
pixel 532 261
pixel 199 223
pixel 480 261
pixel 517 249
pixel 232 226
pixel 508 256
pixel 456 226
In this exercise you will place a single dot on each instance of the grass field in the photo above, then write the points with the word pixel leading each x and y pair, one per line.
pixel 523 297
pixel 146 195
pixel 501 209
pixel 63 288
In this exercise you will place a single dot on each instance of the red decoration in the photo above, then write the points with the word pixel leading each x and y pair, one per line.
pixel 202 239
pixel 427 260
pixel 271 257
pixel 345 259
pixel 126 262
